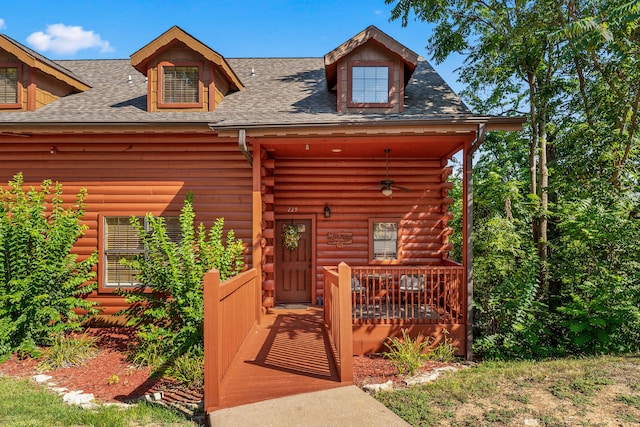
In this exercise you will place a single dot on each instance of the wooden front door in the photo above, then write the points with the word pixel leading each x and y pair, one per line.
pixel 293 266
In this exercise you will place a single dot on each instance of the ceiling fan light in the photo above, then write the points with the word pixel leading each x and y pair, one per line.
pixel 387 191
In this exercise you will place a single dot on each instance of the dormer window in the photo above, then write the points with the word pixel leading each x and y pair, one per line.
pixel 10 86
pixel 370 84
pixel 180 85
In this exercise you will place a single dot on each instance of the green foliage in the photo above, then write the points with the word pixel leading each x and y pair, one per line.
pixel 170 318
pixel 41 280
pixel 188 369
pixel 600 254
pixel 65 351
pixel 445 351
pixel 406 354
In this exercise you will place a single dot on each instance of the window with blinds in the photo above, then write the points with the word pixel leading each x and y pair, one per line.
pixel 180 84
pixel 8 85
pixel 121 241
pixel 370 85
pixel 384 237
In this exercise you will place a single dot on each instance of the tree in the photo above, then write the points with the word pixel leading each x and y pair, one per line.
pixel 508 62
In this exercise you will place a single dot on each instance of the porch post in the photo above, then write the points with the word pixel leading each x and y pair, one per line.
pixel 467 228
pixel 256 217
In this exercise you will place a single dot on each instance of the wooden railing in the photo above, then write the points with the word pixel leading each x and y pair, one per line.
pixel 230 312
pixel 337 318
pixel 408 295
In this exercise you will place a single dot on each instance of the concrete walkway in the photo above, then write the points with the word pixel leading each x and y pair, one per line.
pixel 342 406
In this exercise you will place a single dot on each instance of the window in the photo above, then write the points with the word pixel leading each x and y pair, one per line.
pixel 384 240
pixel 9 86
pixel 370 84
pixel 180 85
pixel 121 241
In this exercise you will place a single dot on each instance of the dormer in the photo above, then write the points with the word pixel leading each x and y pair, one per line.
pixel 29 81
pixel 369 73
pixel 183 74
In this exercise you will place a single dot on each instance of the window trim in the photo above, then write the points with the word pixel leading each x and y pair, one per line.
pixel 350 102
pixel 103 288
pixel 398 258
pixel 20 88
pixel 198 104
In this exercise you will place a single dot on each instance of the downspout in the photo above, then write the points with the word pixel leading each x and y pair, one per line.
pixel 242 145
pixel 467 183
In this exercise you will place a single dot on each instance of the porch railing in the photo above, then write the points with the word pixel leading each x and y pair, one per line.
pixel 230 313
pixel 415 295
pixel 337 319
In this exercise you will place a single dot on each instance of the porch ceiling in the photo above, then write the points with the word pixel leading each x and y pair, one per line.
pixel 434 146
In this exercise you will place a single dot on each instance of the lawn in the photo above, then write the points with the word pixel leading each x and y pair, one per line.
pixel 596 391
pixel 25 404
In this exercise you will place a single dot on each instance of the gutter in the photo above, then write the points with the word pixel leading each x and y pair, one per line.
pixel 242 145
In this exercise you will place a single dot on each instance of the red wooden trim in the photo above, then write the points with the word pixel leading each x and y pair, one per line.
pixel 198 104
pixel 398 243
pixel 150 87
pixel 18 104
pixel 212 87
pixel 388 64
pixel 31 90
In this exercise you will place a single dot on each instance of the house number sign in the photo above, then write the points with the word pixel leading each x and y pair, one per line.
pixel 339 239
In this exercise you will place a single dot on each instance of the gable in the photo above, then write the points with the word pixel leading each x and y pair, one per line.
pixel 38 81
pixel 175 53
pixel 371 35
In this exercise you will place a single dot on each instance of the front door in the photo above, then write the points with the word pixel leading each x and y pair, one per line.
pixel 293 266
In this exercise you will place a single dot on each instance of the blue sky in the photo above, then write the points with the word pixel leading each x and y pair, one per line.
pixel 66 29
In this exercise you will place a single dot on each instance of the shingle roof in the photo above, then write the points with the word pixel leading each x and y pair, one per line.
pixel 282 91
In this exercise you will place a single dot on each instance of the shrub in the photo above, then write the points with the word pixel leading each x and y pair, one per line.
pixel 406 354
pixel 41 281
pixel 66 351
pixel 188 369
pixel 445 351
pixel 170 318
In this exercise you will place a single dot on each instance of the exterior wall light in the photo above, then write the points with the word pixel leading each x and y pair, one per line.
pixel 327 211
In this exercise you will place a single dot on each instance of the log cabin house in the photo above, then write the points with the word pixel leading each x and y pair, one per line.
pixel 348 152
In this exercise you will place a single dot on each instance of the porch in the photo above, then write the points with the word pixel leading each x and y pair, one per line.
pixel 253 355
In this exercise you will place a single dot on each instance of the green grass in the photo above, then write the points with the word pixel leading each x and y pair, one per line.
pixel 24 404
pixel 552 392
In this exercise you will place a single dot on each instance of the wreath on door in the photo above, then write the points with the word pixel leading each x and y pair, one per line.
pixel 291 237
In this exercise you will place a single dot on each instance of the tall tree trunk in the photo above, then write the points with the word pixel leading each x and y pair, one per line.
pixel 543 195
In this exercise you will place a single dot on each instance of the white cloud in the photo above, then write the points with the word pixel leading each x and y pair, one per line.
pixel 67 40
pixel 1 23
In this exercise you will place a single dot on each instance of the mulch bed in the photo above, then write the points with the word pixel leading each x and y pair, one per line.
pixel 111 378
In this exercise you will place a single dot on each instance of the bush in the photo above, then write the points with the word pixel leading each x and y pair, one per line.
pixel 445 351
pixel 66 351
pixel 406 354
pixel 170 318
pixel 41 281
pixel 188 369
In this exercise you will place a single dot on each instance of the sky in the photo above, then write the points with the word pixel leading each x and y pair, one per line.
pixel 66 29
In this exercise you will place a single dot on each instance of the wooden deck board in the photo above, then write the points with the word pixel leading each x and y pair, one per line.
pixel 288 354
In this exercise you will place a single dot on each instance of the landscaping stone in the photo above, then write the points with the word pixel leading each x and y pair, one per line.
pixel 376 388
pixel 41 378
pixel 78 398
pixel 429 376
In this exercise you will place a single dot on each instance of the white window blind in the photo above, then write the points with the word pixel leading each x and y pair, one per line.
pixel 8 85
pixel 180 84
pixel 385 240
pixel 121 241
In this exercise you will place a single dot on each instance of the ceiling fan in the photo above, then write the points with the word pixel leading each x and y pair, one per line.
pixel 387 185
